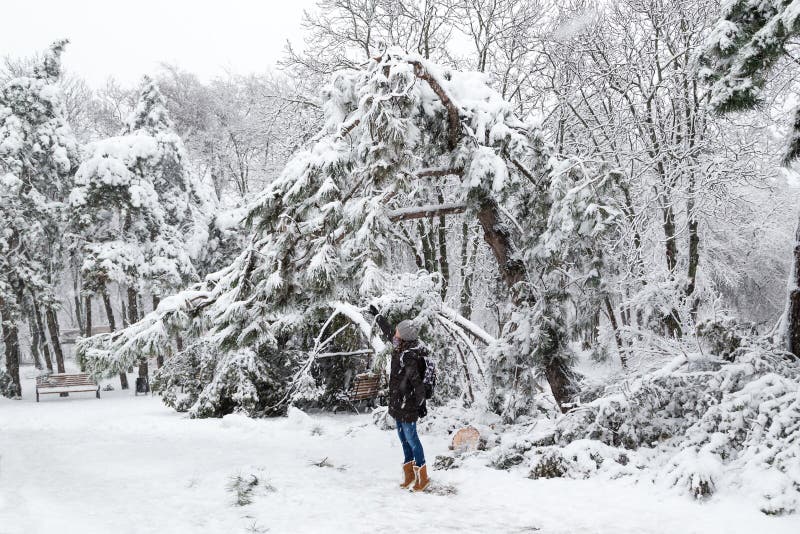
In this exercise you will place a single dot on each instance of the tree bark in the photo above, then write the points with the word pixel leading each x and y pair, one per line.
pixel 793 306
pixel 444 265
pixel 11 343
pixel 36 341
pixel 88 315
pixel 465 307
pixel 48 361
pixel 79 312
pixel 52 326
pixel 694 260
pixel 512 271
pixel 427 250
pixel 617 336
pixel 143 368
pixel 133 306
pixel 112 323
pixel 112 326
pixel 160 357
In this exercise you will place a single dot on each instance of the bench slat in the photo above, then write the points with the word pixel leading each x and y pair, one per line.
pixel 364 387
pixel 66 382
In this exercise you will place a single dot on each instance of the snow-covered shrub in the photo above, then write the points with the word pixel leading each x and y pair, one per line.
pixel 718 423
pixel 579 459
pixel 207 383
pixel 753 430
pixel 381 418
pixel 7 387
pixel 244 488
pixel 725 335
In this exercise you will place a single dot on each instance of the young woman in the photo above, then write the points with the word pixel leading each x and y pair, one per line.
pixel 407 397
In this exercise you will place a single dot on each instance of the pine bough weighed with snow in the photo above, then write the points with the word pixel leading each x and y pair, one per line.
pixel 259 332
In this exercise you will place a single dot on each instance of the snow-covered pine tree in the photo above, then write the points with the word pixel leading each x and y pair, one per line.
pixel 747 42
pixel 324 245
pixel 140 213
pixel 38 157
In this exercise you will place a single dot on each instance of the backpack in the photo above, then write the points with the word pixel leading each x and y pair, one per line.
pixel 429 375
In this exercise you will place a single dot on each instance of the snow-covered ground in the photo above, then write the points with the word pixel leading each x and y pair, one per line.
pixel 126 464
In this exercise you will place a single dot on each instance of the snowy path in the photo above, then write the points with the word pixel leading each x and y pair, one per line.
pixel 127 464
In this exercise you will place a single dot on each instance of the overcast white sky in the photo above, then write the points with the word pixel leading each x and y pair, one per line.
pixel 129 38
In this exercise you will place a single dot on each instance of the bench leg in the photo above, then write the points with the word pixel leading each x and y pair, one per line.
pixel 98 392
pixel 37 396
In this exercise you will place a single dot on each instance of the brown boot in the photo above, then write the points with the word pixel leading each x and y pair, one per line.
pixel 408 474
pixel 421 476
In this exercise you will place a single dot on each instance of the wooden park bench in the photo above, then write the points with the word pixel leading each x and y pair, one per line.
pixel 65 383
pixel 365 387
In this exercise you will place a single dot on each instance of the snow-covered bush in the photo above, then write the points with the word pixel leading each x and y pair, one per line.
pixel 208 383
pixel 579 459
pixel 717 422
pixel 725 335
pixel 7 387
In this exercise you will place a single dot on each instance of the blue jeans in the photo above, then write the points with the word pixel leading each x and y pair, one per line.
pixel 412 448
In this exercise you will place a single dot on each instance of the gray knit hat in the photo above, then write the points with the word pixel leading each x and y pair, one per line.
pixel 407 331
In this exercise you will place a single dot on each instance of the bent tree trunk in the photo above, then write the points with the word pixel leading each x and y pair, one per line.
pixel 512 271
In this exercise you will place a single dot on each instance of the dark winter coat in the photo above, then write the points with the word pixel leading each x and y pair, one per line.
pixel 406 389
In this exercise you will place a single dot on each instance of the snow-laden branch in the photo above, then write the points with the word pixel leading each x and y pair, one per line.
pixel 467 325
pixel 425 173
pixel 421 212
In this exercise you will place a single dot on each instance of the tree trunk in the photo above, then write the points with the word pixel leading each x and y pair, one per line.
pixel 112 326
pixel 160 357
pixel 467 273
pixel 52 326
pixel 617 336
pixel 427 249
pixel 512 271
pixel 143 368
pixel 11 343
pixel 36 341
pixel 671 253
pixel 48 361
pixel 88 315
pixel 444 265
pixel 79 313
pixel 133 306
pixel 694 260
pixel 793 307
